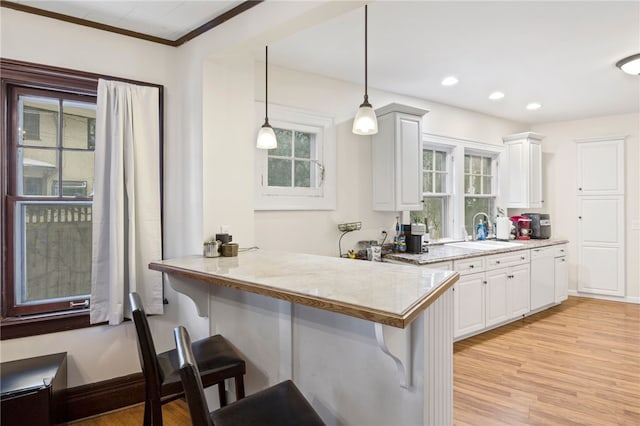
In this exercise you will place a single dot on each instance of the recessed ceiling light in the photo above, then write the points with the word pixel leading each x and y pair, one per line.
pixel 450 81
pixel 533 106
pixel 630 65
pixel 496 95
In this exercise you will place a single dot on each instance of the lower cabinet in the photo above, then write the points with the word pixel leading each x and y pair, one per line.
pixel 491 290
pixel 561 272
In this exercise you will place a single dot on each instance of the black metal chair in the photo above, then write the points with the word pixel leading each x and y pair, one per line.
pixel 215 357
pixel 280 405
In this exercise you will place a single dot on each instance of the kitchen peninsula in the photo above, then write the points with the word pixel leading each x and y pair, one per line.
pixel 366 342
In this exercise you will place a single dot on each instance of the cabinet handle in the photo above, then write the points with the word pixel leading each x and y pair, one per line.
pixel 471 266
pixel 580 217
pixel 564 260
pixel 484 282
pixel 497 262
pixel 579 189
pixel 522 257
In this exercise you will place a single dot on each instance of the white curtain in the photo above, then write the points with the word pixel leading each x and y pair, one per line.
pixel 126 201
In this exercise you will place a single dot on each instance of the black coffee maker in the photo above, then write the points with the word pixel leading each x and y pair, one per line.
pixel 413 236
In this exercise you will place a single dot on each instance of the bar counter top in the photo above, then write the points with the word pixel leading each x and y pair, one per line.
pixel 390 294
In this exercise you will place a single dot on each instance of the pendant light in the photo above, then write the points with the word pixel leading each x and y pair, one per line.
pixel 365 122
pixel 266 135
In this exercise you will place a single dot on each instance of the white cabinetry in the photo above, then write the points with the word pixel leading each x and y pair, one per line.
pixel 543 292
pixel 524 170
pixel 601 225
pixel 491 290
pixel 561 272
pixel 396 156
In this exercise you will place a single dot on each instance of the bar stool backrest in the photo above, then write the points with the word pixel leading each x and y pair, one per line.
pixel 191 381
pixel 146 349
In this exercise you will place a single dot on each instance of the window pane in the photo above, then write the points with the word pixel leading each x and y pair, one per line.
pixel 284 143
pixel 486 166
pixel 39 169
pixel 440 179
pixel 303 145
pixel 434 211
pixel 75 124
pixel 427 181
pixel 476 182
pixel 472 206
pixel 56 250
pixel 279 172
pixel 302 174
pixel 475 165
pixel 440 161
pixel 77 166
pixel 467 185
pixel 486 185
pixel 427 159
pixel 467 164
pixel 38 121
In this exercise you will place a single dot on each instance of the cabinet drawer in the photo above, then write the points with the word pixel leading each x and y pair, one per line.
pixel 469 266
pixel 502 260
pixel 543 252
pixel 561 250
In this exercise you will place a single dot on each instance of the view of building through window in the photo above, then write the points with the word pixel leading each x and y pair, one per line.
pixel 53 185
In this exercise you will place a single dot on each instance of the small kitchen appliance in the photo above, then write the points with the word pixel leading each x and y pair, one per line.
pixel 523 227
pixel 503 228
pixel 413 235
pixel 540 225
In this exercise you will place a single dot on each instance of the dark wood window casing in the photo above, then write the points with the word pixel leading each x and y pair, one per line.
pixel 17 77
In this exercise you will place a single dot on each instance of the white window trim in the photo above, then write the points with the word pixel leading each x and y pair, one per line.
pixel 429 144
pixel 322 198
pixel 458 147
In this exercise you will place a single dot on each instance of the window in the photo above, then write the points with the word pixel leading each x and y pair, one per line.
pixel 436 192
pixel 299 174
pixel 479 172
pixel 51 241
pixel 31 124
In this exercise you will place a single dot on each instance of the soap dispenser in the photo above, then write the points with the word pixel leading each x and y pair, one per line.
pixel 481 231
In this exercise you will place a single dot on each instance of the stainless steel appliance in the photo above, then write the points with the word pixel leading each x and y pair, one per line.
pixel 540 225
pixel 413 235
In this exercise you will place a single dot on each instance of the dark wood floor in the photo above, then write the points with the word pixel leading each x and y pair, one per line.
pixel 574 364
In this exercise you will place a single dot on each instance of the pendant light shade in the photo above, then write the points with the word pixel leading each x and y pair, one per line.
pixel 266 135
pixel 365 122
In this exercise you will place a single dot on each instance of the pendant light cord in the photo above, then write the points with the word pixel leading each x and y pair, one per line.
pixel 366 96
pixel 266 84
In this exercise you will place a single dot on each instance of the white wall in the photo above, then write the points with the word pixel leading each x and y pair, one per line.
pixel 559 180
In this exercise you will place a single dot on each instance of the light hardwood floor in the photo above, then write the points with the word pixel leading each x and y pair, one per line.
pixel 574 364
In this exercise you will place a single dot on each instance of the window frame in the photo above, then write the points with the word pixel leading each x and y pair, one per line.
pixel 493 196
pixel 15 73
pixel 322 197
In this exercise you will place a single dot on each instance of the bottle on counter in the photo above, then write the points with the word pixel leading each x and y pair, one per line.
pixel 481 231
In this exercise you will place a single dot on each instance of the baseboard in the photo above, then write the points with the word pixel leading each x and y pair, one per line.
pixel 101 397
pixel 626 299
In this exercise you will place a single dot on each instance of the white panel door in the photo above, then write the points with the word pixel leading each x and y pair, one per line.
pixel 600 167
pixel 601 245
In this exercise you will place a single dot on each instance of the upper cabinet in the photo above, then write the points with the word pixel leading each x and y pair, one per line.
pixel 524 170
pixel 600 166
pixel 397 158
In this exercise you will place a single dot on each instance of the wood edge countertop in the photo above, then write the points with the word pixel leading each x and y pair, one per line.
pixel 358 311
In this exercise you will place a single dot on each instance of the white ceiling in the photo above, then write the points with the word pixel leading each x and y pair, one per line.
pixel 561 54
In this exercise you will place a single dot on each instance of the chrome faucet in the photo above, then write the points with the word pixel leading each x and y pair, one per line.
pixel 473 224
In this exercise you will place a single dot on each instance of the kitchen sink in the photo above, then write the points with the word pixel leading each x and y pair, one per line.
pixel 484 245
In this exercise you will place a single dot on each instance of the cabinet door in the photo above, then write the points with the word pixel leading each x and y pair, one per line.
pixel 601 245
pixel 561 271
pixel 495 296
pixel 517 182
pixel 542 278
pixel 468 302
pixel 601 167
pixel 535 175
pixel 518 290
pixel 409 165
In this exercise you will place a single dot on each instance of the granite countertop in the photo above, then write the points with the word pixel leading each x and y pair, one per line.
pixel 390 294
pixel 445 252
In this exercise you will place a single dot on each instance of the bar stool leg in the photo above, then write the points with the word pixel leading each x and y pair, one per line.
pixel 239 387
pixel 222 394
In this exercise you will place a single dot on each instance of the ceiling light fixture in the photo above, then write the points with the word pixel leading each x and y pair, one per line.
pixel 496 95
pixel 449 81
pixel 533 106
pixel 266 135
pixel 630 65
pixel 365 122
